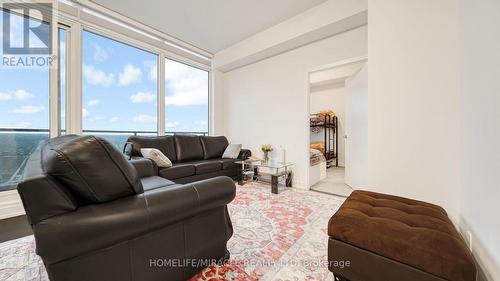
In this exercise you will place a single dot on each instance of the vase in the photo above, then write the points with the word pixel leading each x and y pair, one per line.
pixel 266 157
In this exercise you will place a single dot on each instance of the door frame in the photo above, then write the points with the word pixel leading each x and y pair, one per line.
pixel 307 103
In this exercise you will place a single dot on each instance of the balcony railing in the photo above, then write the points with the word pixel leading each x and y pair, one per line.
pixel 139 133
pixel 17 144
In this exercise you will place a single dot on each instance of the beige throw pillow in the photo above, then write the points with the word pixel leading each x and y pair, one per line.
pixel 156 156
pixel 232 151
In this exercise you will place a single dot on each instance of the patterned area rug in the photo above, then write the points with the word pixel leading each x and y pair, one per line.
pixel 276 237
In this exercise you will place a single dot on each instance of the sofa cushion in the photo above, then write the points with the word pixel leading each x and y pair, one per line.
pixel 153 182
pixel 411 232
pixel 91 168
pixel 188 147
pixel 165 144
pixel 178 170
pixel 206 166
pixel 213 147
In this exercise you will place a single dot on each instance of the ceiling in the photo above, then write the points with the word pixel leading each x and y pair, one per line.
pixel 336 75
pixel 211 25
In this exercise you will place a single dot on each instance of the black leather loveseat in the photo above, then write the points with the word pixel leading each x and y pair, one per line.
pixel 95 217
pixel 194 157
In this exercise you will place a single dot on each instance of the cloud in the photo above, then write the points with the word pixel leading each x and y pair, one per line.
pixel 199 126
pixel 17 94
pixel 188 97
pixel 129 75
pixel 29 109
pixel 15 125
pixel 152 69
pixel 97 77
pixel 171 125
pixel 5 96
pixel 90 117
pixel 100 54
pixel 85 113
pixel 142 97
pixel 93 102
pixel 186 85
pixel 144 118
pixel 95 118
pixel 22 95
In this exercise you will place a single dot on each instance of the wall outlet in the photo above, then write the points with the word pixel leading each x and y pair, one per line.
pixel 469 240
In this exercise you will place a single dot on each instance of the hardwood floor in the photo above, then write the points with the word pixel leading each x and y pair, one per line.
pixel 14 227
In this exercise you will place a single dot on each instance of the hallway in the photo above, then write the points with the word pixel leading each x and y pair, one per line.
pixel 334 183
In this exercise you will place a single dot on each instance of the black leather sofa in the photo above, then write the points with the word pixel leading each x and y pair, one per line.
pixel 194 157
pixel 95 217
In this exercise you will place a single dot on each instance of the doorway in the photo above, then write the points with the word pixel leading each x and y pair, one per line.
pixel 337 106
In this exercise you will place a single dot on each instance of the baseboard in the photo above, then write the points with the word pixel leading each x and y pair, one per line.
pixel 299 185
pixel 488 269
pixel 14 227
pixel 10 204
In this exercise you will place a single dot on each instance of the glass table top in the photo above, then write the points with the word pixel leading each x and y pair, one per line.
pixel 275 164
pixel 270 164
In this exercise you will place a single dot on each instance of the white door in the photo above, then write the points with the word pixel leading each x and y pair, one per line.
pixel 356 129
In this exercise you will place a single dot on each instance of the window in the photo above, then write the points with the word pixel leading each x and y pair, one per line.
pixel 119 89
pixel 24 107
pixel 186 98
pixel 119 94
pixel 63 46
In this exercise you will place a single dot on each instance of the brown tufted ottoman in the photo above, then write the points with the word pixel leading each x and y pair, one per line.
pixel 378 237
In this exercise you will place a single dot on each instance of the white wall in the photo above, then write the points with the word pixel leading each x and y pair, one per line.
pixel 325 98
pixel 217 104
pixel 480 132
pixel 413 49
pixel 356 122
pixel 266 102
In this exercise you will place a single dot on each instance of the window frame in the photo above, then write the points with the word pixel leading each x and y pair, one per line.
pixel 67 29
pixel 160 53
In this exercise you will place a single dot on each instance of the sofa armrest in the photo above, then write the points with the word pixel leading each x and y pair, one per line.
pixel 244 154
pixel 128 149
pixel 91 228
pixel 145 167
pixel 98 226
pixel 203 195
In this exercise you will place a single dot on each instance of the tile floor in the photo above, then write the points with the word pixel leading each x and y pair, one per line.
pixel 334 183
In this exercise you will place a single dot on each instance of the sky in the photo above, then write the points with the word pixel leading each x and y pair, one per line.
pixel 24 92
pixel 119 90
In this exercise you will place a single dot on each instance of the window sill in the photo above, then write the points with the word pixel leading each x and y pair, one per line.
pixel 10 204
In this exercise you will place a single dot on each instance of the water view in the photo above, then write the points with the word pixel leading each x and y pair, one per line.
pixel 16 147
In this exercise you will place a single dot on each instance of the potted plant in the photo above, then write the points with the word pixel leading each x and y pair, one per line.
pixel 266 148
